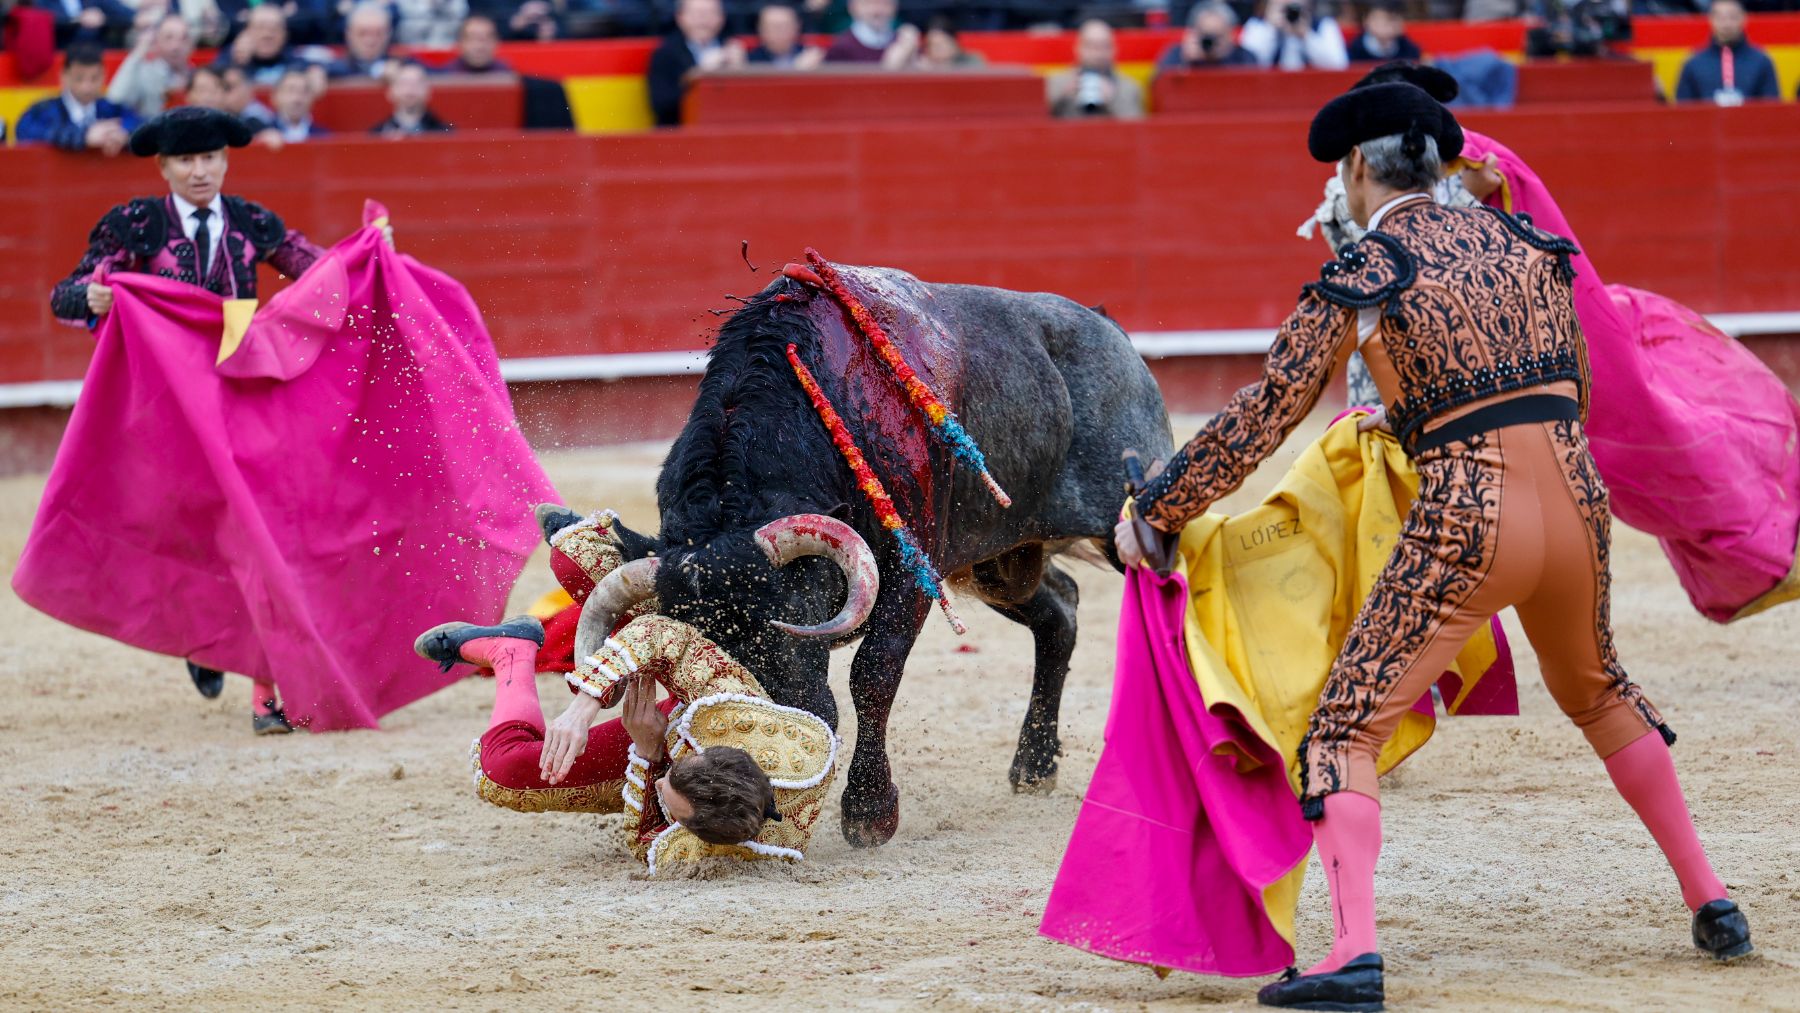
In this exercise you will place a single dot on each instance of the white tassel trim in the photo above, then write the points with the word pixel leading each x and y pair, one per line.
pixel 604 671
pixel 599 520
pixel 683 728
pixel 475 763
pixel 773 851
pixel 650 852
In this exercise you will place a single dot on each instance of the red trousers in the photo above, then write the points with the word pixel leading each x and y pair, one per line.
pixel 507 768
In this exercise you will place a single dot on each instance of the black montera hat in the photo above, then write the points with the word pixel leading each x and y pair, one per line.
pixel 188 130
pixel 1381 110
pixel 1432 81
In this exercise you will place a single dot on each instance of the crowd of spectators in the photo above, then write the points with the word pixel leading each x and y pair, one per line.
pixel 295 50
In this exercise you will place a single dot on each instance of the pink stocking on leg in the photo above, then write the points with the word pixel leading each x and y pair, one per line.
pixel 263 697
pixel 1644 773
pixel 1349 841
pixel 514 662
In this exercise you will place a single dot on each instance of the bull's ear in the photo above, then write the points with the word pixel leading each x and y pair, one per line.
pixel 631 544
pixel 840 512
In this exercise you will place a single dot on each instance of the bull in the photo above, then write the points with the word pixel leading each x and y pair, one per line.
pixel 769 547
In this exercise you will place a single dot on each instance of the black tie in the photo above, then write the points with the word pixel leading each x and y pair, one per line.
pixel 203 240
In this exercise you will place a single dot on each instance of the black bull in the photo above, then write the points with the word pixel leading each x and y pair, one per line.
pixel 1052 392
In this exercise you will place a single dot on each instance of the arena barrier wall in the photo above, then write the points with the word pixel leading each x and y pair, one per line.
pixel 594 259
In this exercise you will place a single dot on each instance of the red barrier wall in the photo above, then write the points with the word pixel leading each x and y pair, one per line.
pixel 579 245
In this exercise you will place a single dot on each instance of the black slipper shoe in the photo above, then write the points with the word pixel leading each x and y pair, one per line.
pixel 1356 987
pixel 553 517
pixel 209 681
pixel 443 644
pixel 1721 930
pixel 272 723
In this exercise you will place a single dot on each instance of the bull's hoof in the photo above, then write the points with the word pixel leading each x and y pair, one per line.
pixel 1034 773
pixel 869 825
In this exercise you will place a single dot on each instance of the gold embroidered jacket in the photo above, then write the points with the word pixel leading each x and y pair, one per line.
pixel 1474 303
pixel 721 704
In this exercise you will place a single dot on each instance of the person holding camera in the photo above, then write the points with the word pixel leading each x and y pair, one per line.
pixel 1094 86
pixel 1291 35
pixel 1209 41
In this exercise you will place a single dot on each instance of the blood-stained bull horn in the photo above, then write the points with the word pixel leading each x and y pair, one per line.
pixel 791 538
pixel 610 599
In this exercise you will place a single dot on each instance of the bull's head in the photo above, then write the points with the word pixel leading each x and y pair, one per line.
pixel 743 594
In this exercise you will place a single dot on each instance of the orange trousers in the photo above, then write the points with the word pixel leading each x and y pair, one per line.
pixel 1511 517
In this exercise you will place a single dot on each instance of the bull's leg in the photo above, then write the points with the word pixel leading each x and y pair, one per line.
pixel 871 801
pixel 1050 615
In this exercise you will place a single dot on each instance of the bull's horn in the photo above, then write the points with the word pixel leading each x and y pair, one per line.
pixel 790 538
pixel 610 599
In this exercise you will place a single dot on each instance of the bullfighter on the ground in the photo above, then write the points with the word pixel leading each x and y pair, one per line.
pixel 734 773
pixel 194 234
pixel 1466 319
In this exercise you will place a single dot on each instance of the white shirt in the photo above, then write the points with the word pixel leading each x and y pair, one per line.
pixel 1368 319
pixel 215 227
pixel 81 115
pixel 871 36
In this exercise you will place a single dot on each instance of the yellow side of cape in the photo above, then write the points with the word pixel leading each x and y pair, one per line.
pixel 1274 590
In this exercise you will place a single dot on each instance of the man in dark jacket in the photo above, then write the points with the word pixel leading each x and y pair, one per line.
pixel 1729 70
pixel 410 95
pixel 80 119
pixel 694 49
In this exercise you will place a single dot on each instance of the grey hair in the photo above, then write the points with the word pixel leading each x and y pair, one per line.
pixel 1391 166
pixel 1214 7
pixel 368 9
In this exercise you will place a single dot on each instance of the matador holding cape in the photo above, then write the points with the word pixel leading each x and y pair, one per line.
pixel 1466 320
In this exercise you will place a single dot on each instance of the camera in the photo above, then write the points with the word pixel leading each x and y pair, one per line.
pixel 1293 12
pixel 1090 93
pixel 1209 44
pixel 1583 28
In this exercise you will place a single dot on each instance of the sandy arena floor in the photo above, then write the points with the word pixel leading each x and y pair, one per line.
pixel 156 855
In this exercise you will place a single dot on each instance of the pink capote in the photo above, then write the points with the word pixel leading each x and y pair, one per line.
pixel 1174 845
pixel 351 475
pixel 1697 440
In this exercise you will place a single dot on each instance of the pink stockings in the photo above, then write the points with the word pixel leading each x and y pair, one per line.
pixel 1644 773
pixel 1349 840
pixel 514 663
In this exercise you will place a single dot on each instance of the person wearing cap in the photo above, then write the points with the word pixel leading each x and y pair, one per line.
pixel 1467 320
pixel 194 234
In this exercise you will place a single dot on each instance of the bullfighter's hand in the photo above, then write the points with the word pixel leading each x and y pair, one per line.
pixel 1484 179
pixel 1376 419
pixel 566 737
pixel 643 722
pixel 1126 540
pixel 99 299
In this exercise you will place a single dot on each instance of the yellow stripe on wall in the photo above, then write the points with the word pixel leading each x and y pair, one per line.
pixel 1668 66
pixel 14 102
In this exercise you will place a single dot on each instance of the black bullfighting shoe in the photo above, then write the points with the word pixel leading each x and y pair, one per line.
pixel 209 681
pixel 553 517
pixel 1721 930
pixel 444 644
pixel 270 722
pixel 1356 987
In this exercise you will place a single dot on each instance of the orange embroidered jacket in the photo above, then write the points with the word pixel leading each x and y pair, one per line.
pixel 1474 303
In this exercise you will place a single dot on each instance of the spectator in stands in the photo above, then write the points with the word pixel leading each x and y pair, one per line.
pixel 1383 36
pixel 1207 42
pixel 91 22
pixel 1292 36
pixel 477 46
pixel 410 95
pixel 1729 70
pixel 261 50
pixel 294 97
pixel 942 50
pixel 873 36
pixel 368 32
pixel 239 99
pixel 694 49
pixel 156 67
pixel 530 21
pixel 1094 86
pixel 778 41
pixel 433 23
pixel 80 119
